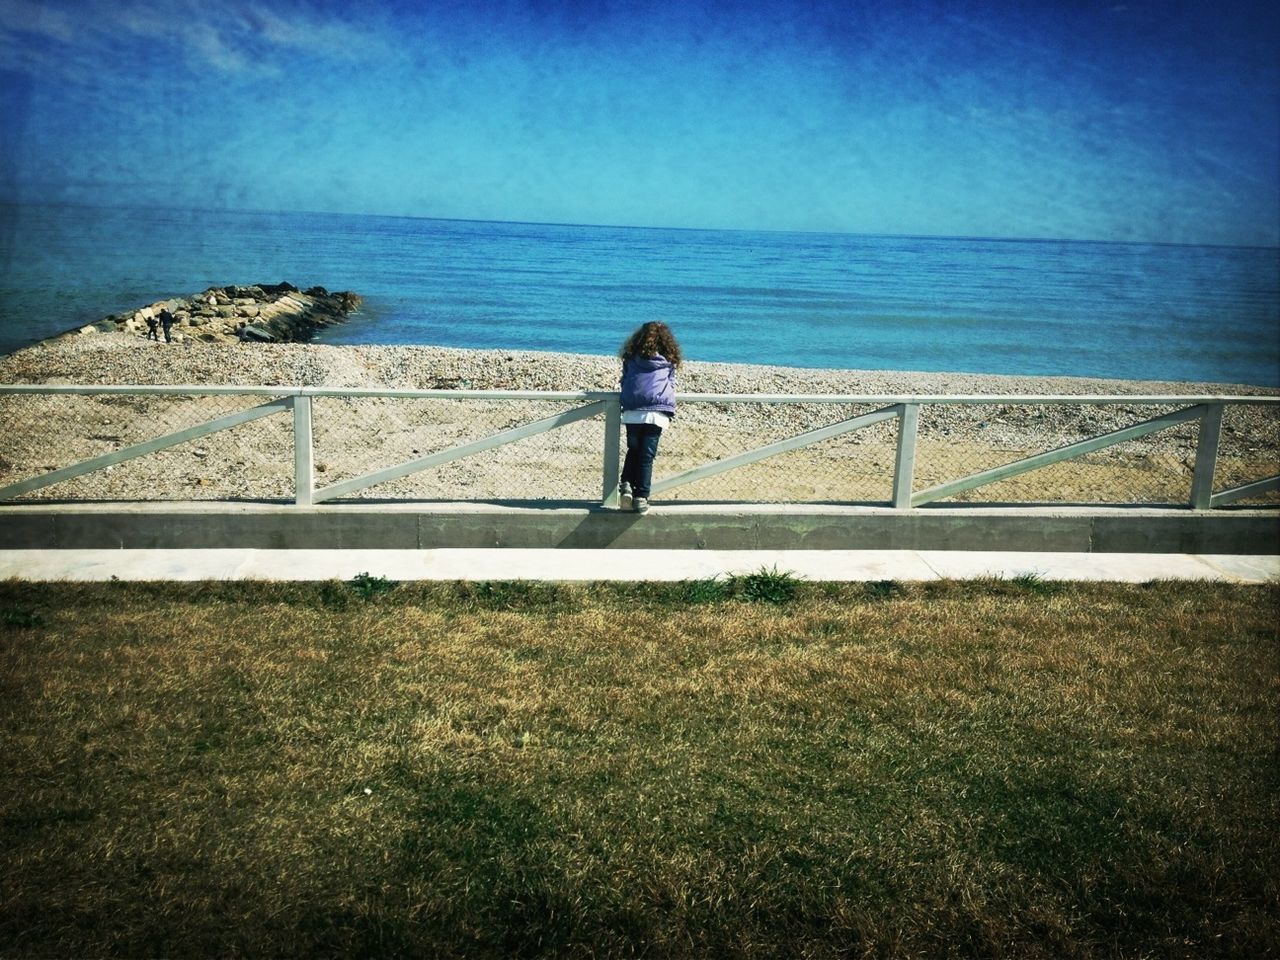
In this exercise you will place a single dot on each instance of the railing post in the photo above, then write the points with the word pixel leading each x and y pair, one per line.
pixel 610 472
pixel 1206 456
pixel 904 466
pixel 303 478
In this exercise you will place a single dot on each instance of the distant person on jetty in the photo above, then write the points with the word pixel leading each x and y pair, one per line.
pixel 166 322
pixel 650 358
pixel 150 317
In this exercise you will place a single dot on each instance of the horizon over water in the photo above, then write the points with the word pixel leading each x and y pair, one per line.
pixel 1038 307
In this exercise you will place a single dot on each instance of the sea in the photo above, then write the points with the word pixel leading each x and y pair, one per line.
pixel 962 304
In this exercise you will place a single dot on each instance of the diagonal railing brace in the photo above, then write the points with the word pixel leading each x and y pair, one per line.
pixel 773 449
pixel 457 453
pixel 1049 457
pixel 142 449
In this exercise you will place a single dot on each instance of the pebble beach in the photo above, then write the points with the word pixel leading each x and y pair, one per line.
pixel 128 358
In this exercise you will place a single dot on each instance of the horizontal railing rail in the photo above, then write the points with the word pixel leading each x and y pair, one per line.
pixel 903 412
pixel 268 390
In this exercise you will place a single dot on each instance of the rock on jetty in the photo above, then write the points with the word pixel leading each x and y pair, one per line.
pixel 266 313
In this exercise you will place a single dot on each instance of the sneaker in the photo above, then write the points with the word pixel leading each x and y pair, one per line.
pixel 624 497
pixel 640 505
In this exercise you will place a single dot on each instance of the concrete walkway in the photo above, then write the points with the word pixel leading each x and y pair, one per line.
pixel 566 565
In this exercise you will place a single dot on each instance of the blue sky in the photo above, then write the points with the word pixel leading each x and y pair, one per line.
pixel 1115 121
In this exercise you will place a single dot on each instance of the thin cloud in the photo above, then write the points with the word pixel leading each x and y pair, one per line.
pixel 208 42
pixel 72 66
pixel 303 29
pixel 24 17
pixel 241 39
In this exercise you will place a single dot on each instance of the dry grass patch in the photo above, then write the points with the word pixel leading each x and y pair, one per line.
pixel 984 769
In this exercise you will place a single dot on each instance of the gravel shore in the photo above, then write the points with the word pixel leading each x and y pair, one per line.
pixel 353 436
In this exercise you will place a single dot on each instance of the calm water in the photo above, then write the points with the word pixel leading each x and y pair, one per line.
pixel 806 300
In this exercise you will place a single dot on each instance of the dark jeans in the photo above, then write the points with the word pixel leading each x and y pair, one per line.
pixel 642 447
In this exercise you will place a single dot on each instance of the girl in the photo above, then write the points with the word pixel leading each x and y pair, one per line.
pixel 649 361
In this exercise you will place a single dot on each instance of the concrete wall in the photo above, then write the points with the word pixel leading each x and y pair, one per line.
pixel 421 526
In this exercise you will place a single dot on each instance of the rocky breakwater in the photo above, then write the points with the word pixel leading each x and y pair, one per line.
pixel 266 313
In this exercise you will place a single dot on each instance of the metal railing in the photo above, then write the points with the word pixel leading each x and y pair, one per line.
pixel 320 444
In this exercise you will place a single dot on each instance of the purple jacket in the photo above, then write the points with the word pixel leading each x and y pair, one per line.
pixel 649 383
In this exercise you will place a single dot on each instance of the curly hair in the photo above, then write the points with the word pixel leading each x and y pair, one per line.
pixel 652 339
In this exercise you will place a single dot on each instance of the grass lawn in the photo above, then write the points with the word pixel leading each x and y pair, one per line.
pixel 752 768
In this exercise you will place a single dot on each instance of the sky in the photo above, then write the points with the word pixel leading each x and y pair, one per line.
pixel 1138 121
